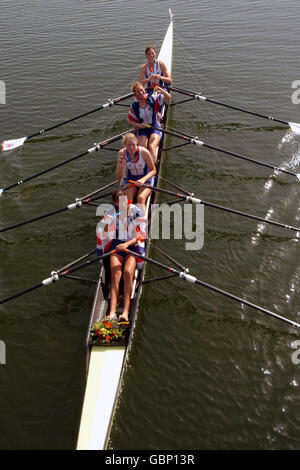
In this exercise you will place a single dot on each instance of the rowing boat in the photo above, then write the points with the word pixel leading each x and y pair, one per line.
pixel 105 363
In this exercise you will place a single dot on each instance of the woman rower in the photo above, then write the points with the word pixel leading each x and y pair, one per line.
pixel 122 227
pixel 154 72
pixel 140 168
pixel 143 113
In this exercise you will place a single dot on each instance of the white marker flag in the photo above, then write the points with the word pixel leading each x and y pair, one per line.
pixel 12 144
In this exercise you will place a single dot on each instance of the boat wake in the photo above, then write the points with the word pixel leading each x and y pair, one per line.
pixel 283 202
pixel 289 204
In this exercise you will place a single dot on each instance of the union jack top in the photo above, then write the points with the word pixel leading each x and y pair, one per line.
pixel 113 229
pixel 137 114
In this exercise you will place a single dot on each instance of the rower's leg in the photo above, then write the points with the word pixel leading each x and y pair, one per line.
pixel 116 262
pixel 130 193
pixel 153 145
pixel 129 267
pixel 142 197
pixel 143 140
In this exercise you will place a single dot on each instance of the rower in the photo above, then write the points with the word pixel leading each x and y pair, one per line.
pixel 122 227
pixel 154 72
pixel 140 168
pixel 143 113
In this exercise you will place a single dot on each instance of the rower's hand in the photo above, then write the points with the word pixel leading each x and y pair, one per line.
pixel 157 89
pixel 155 76
pixel 122 246
pixel 139 183
pixel 143 125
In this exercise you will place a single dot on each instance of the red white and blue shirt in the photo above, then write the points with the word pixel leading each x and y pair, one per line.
pixel 148 115
pixel 155 71
pixel 113 228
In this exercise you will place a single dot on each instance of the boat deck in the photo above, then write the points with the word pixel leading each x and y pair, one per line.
pixel 105 362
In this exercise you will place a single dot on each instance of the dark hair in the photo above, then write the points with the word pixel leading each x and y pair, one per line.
pixel 148 49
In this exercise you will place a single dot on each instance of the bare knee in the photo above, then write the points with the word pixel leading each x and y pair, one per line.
pixel 153 150
pixel 141 200
pixel 115 280
pixel 152 147
pixel 129 269
pixel 128 276
pixel 116 274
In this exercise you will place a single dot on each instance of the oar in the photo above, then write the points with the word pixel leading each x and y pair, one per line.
pixel 187 277
pixel 196 141
pixel 15 143
pixel 91 150
pixel 293 125
pixel 69 265
pixel 79 202
pixel 197 200
pixel 56 276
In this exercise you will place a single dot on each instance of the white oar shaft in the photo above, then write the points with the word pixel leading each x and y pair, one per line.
pixel 192 279
pixel 15 143
pixel 198 96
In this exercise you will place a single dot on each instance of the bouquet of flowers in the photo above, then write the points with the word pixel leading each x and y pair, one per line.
pixel 107 331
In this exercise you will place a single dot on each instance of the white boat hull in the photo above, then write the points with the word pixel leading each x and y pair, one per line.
pixel 106 363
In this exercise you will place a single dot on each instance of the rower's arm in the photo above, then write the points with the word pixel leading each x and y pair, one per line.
pixel 142 77
pixel 120 165
pixel 163 92
pixel 128 243
pixel 132 241
pixel 151 167
pixel 166 75
pixel 138 125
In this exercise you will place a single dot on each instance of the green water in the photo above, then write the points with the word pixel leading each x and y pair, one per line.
pixel 204 372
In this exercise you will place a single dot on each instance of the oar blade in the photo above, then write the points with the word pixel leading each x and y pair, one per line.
pixel 295 126
pixel 12 144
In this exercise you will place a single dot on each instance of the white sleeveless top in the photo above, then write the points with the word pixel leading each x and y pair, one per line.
pixel 136 168
pixel 156 70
